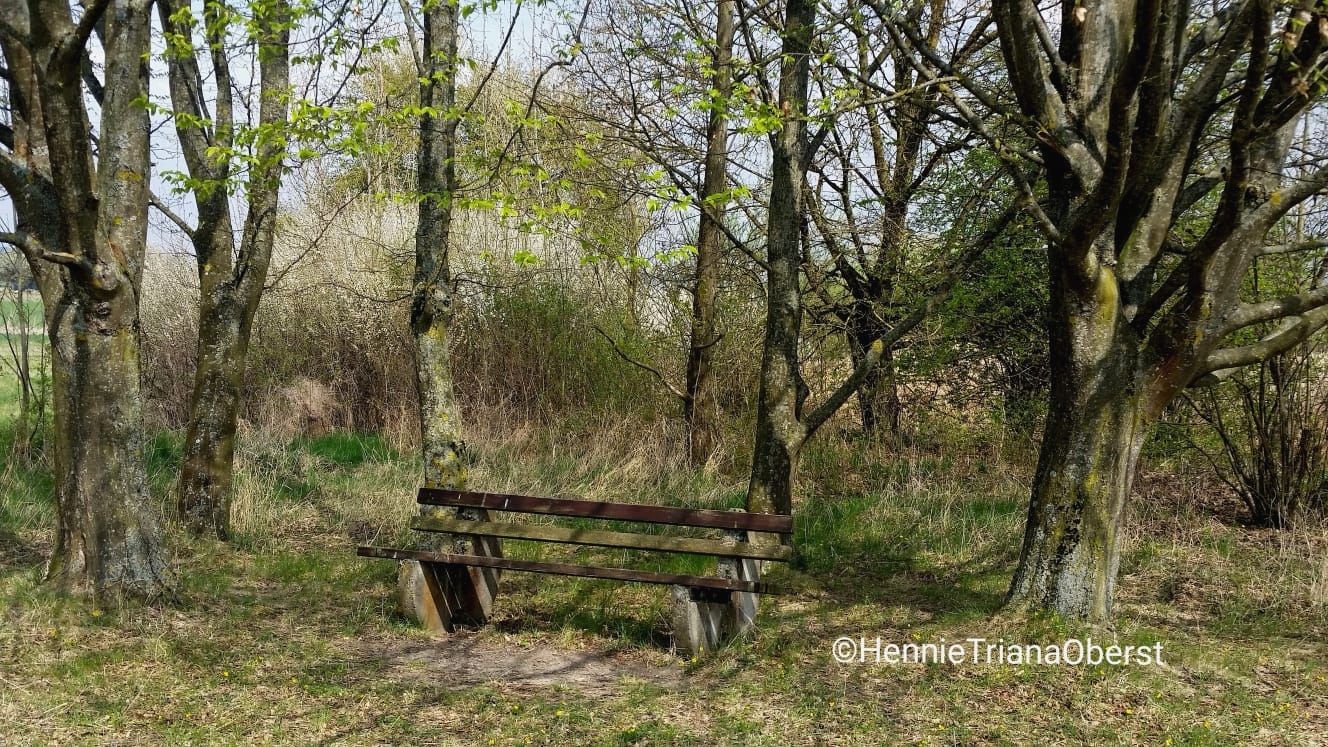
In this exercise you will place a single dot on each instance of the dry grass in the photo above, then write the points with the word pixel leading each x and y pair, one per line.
pixel 288 638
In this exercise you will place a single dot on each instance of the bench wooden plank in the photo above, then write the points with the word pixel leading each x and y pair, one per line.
pixel 691 517
pixel 568 569
pixel 597 538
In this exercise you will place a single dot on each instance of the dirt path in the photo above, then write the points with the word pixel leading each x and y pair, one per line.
pixel 460 662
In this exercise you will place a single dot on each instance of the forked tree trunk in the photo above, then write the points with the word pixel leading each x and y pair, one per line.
pixel 700 408
pixel 1127 117
pixel 231 282
pixel 90 217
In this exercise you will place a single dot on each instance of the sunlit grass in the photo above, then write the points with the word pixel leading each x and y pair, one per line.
pixel 287 637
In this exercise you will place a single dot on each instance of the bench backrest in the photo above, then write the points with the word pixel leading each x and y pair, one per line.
pixel 688 517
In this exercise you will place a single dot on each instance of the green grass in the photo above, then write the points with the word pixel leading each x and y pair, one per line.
pixel 286 637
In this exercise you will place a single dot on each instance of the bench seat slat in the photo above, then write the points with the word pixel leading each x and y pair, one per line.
pixel 568 569
pixel 691 517
pixel 598 538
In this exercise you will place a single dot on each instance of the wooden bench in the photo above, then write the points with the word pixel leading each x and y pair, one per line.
pixel 457 588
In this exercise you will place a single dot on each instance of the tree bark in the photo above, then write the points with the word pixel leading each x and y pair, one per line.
pixel 1097 422
pixel 85 224
pixel 878 394
pixel 431 300
pixel 231 282
pixel 779 429
pixel 700 408
pixel 108 537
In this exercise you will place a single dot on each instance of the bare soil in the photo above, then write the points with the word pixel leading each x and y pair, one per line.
pixel 463 661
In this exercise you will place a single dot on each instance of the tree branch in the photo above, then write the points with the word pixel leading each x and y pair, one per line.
pixel 1293 248
pixel 675 391
pixel 1298 304
pixel 34 250
pixel 171 215
pixel 1296 331
pixel 76 41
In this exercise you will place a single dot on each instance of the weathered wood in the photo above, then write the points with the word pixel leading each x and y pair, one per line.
pixel 568 569
pixel 691 517
pixel 484 580
pixel 742 606
pixel 599 538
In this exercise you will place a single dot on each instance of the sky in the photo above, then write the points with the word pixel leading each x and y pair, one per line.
pixel 483 32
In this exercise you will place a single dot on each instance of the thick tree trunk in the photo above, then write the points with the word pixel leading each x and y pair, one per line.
pixel 1097 423
pixel 700 409
pixel 779 429
pixel 108 537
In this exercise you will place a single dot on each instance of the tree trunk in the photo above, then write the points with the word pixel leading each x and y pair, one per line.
pixel 1096 425
pixel 700 409
pixel 431 301
pixel 108 538
pixel 83 227
pixel 878 394
pixel 207 469
pixel 441 446
pixel 231 282
pixel 779 429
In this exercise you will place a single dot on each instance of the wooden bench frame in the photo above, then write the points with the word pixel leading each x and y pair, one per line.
pixel 457 588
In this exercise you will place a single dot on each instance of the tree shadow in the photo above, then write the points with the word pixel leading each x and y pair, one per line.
pixel 16 553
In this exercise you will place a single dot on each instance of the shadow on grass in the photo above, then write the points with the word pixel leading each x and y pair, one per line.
pixel 15 554
pixel 859 552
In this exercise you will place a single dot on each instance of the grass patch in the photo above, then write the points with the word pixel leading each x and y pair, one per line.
pixel 289 638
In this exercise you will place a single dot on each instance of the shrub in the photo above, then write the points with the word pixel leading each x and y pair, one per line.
pixel 1272 425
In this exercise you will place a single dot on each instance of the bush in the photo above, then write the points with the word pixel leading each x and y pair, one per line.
pixel 1272 426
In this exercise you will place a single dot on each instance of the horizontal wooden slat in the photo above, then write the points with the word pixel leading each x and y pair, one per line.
pixel 567 569
pixel 627 540
pixel 688 517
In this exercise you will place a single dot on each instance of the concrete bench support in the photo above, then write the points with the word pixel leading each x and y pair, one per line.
pixel 705 620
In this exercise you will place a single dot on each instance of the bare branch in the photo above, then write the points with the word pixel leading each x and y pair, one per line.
pixel 1296 331
pixel 171 215
pixel 675 391
pixel 1278 308
pixel 1294 248
pixel 33 249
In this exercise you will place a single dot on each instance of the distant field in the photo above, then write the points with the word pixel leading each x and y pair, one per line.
pixel 11 315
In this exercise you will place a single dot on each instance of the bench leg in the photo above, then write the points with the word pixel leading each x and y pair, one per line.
pixel 742 605
pixel 704 620
pixel 483 581
pixel 440 596
pixel 700 620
